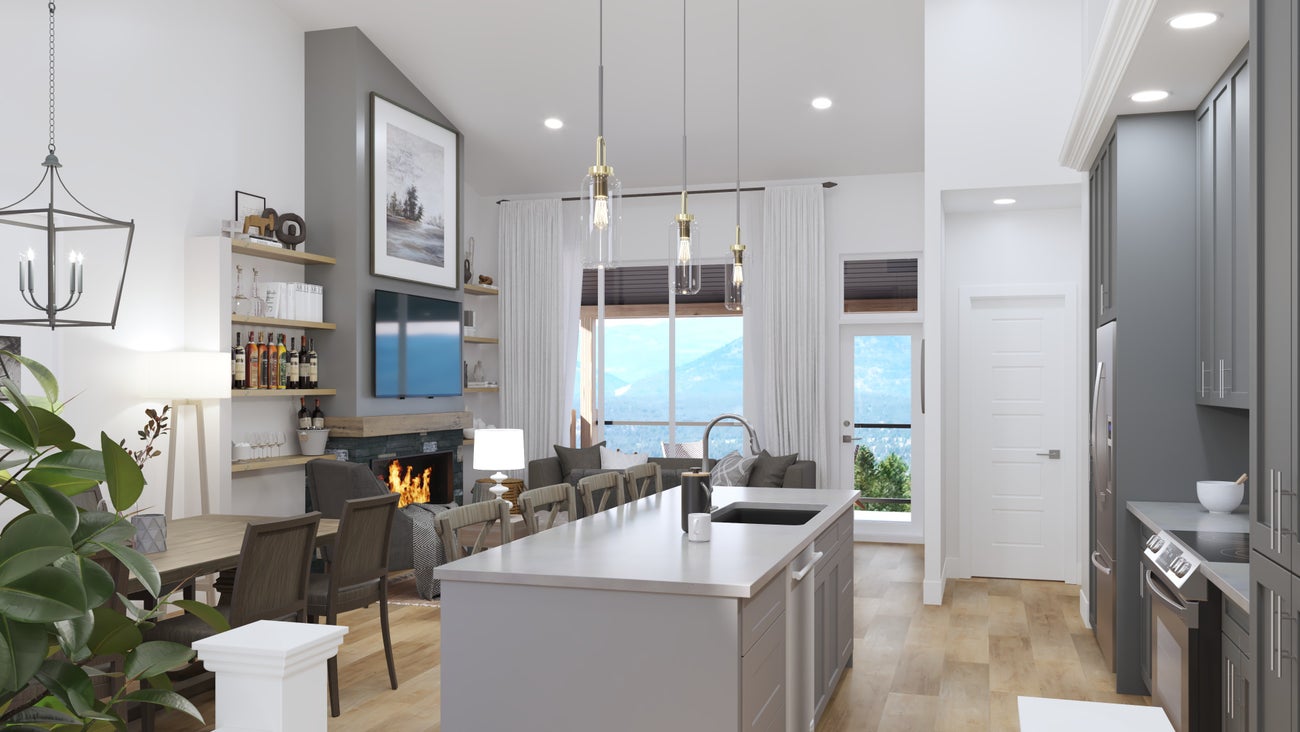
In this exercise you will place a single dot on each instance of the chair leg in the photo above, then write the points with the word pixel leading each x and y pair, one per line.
pixel 332 668
pixel 383 625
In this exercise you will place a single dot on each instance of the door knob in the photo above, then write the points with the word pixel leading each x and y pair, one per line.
pixel 1050 454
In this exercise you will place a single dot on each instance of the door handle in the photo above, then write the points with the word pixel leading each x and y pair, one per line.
pixel 1050 454
pixel 847 439
pixel 922 376
pixel 799 574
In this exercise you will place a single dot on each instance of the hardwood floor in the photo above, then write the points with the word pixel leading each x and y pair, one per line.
pixel 958 666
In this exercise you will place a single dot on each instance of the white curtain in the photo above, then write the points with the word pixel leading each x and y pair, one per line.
pixel 540 295
pixel 793 315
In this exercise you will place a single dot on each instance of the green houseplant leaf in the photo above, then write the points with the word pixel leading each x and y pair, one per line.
pixel 70 684
pixel 206 613
pixel 50 502
pixel 91 575
pixel 14 433
pixel 165 698
pixel 70 472
pixel 73 635
pixel 125 480
pixel 44 376
pixel 29 543
pixel 152 658
pixel 139 565
pixel 44 596
pixel 22 650
pixel 113 633
pixel 48 429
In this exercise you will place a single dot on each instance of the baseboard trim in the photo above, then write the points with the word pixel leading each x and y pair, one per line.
pixel 932 590
pixel 1083 608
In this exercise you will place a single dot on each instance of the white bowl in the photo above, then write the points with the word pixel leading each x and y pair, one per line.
pixel 468 432
pixel 1219 496
pixel 312 442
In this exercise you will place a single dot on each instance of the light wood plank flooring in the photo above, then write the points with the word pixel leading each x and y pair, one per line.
pixel 959 666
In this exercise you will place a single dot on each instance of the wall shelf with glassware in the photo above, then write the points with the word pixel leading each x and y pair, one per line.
pixel 282 323
pixel 253 393
pixel 481 290
pixel 481 389
pixel 284 461
pixel 483 340
pixel 280 255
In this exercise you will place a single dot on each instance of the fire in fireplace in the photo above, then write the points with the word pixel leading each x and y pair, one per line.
pixel 424 478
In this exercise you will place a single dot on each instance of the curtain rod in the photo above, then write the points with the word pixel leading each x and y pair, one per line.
pixel 825 184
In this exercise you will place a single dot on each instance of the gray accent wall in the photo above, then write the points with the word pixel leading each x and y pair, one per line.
pixel 342 69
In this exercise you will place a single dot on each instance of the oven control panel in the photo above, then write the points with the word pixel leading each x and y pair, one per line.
pixel 1175 562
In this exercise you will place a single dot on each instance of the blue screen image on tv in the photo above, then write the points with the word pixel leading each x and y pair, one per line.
pixel 417 346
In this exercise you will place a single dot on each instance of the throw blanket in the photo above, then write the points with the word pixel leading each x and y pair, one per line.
pixel 426 549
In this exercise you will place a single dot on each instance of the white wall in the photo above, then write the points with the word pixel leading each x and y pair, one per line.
pixel 164 110
pixel 1001 81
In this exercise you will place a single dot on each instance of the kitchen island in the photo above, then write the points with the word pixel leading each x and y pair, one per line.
pixel 616 621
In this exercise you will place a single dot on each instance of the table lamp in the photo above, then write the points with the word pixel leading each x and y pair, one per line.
pixel 499 449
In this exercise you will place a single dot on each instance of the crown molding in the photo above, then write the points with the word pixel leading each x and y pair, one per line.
pixel 1121 29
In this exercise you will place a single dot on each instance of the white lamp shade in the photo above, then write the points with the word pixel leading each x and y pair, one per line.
pixel 499 450
pixel 184 375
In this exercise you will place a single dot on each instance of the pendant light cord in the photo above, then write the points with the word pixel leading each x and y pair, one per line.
pixel 51 146
pixel 737 114
pixel 600 75
pixel 683 98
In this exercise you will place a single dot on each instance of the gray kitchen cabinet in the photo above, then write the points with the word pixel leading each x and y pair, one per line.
pixel 1225 241
pixel 833 609
pixel 1272 695
pixel 762 684
pixel 1101 183
pixel 1236 688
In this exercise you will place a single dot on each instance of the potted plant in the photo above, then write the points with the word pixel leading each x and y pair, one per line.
pixel 63 613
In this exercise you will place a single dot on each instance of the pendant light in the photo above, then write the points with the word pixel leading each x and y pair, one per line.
pixel 60 229
pixel 686 269
pixel 601 192
pixel 735 269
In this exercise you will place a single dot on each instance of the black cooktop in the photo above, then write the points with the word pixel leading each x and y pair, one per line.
pixel 1217 546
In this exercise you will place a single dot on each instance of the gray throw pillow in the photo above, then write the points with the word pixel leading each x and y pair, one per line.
pixel 731 469
pixel 573 476
pixel 769 470
pixel 573 458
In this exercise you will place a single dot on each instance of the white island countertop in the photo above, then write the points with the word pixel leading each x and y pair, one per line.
pixel 640 547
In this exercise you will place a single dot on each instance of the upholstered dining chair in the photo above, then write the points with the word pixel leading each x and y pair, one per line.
pixel 484 514
pixel 550 499
pixel 271 584
pixel 601 491
pixel 641 478
pixel 357 575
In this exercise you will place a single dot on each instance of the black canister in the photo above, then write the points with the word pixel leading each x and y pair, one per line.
pixel 695 495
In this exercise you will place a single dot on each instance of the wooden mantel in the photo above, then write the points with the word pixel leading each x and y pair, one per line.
pixel 398 424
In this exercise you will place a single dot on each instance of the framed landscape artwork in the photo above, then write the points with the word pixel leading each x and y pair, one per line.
pixel 413 177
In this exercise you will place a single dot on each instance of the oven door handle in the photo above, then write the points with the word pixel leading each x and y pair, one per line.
pixel 1186 613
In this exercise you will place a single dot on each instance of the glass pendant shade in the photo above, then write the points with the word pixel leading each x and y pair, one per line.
pixel 735 275
pixel 686 266
pixel 602 196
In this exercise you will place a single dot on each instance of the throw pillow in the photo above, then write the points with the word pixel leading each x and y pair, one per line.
pixel 578 474
pixel 572 458
pixel 620 460
pixel 769 470
pixel 732 469
pixel 683 449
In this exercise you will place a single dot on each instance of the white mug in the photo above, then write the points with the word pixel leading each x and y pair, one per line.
pixel 699 526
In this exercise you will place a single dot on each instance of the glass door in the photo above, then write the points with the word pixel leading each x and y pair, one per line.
pixel 880 412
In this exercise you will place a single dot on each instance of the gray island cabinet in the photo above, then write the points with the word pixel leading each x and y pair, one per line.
pixel 618 622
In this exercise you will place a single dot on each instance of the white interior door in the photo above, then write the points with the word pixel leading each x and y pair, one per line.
pixel 1017 461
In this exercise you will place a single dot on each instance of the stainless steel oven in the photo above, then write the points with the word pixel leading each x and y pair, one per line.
pixel 1185 617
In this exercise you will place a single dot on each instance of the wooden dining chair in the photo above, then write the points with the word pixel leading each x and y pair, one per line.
pixel 601 491
pixel 484 514
pixel 357 575
pixel 641 478
pixel 551 499
pixel 271 584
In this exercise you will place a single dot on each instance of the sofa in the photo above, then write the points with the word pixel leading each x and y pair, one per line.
pixel 546 471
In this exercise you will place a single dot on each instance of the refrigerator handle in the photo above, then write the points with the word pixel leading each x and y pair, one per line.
pixel 1096 395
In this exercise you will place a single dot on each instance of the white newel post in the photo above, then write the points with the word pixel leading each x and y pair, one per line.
pixel 271 675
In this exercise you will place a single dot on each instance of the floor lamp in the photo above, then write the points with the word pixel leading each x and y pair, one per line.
pixel 188 379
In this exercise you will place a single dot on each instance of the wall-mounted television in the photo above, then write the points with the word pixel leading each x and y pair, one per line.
pixel 417 346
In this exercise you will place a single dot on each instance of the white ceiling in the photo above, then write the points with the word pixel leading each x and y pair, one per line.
pixel 498 68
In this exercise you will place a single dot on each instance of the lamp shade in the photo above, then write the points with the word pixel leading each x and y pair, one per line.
pixel 184 375
pixel 499 449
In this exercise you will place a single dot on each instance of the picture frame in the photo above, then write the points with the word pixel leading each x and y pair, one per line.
pixel 415 196
pixel 12 344
pixel 248 204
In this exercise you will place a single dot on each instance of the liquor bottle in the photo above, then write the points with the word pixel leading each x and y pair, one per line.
pixel 238 364
pixel 254 357
pixel 293 366
pixel 317 417
pixel 268 357
pixel 312 373
pixel 281 365
pixel 304 417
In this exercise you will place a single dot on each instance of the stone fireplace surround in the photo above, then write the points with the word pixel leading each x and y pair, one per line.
pixel 382 438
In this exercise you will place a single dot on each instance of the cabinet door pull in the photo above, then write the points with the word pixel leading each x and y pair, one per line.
pixel 1221 393
pixel 1201 380
pixel 1097 563
pixel 1228 667
pixel 1270 627
pixel 799 574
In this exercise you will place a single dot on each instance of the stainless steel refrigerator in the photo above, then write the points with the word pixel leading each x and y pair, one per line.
pixel 1103 492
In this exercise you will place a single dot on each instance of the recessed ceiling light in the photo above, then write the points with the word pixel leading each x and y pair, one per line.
pixel 1150 95
pixel 1187 21
pixel 822 103
pixel 1003 201
pixel 553 123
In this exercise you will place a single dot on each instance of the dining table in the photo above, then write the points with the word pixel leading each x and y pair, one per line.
pixel 210 544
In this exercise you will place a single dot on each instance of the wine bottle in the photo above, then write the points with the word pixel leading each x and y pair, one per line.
pixel 238 365
pixel 254 358
pixel 281 365
pixel 312 373
pixel 317 417
pixel 268 357
pixel 304 417
pixel 304 378
pixel 293 365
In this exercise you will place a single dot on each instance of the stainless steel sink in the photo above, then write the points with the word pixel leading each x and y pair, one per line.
pixel 765 513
